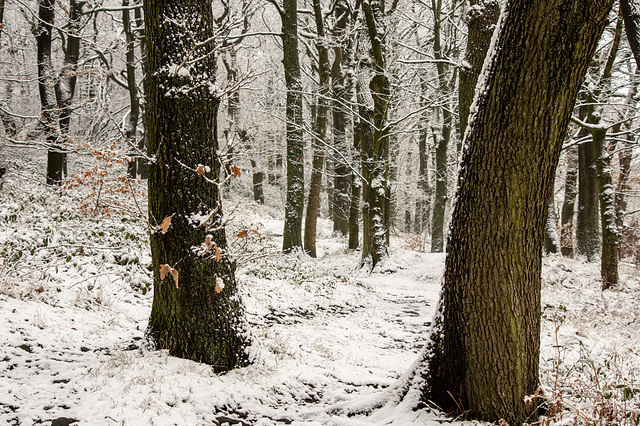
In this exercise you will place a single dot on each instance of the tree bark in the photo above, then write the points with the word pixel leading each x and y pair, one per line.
pixel 606 195
pixel 56 156
pixel 631 13
pixel 442 143
pixel 134 112
pixel 324 74
pixel 294 206
pixel 375 144
pixel 551 228
pixel 342 91
pixel 587 232
pixel 200 315
pixel 569 204
pixel 487 359
pixel 481 21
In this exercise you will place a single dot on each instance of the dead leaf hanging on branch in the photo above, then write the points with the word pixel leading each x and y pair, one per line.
pixel 219 285
pixel 166 270
pixel 166 223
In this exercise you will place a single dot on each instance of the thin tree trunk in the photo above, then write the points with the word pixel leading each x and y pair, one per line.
pixel 142 143
pixel 324 75
pixel 56 155
pixel 587 234
pixel 341 88
pixel 356 192
pixel 197 313
pixel 442 143
pixel 610 234
pixel 551 243
pixel 485 356
pixel 131 129
pixel 569 204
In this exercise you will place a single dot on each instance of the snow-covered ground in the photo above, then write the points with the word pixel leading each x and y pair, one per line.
pixel 74 303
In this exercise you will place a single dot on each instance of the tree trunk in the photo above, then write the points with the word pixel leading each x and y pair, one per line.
pixel 569 204
pixel 132 122
pixel 487 358
pixel 56 155
pixel 481 21
pixel 294 206
pixel 199 316
pixel 610 234
pixel 631 13
pixel 375 144
pixel 587 234
pixel 551 228
pixel 442 143
pixel 324 75
pixel 341 88
pixel 356 192
pixel 142 143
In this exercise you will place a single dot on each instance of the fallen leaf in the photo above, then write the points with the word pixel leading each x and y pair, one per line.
pixel 165 224
pixel 219 285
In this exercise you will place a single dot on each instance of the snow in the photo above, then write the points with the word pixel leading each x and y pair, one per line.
pixel 334 340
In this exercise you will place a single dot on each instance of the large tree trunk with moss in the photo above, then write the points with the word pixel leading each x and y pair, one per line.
pixel 294 206
pixel 324 75
pixel 56 155
pixel 196 314
pixel 485 357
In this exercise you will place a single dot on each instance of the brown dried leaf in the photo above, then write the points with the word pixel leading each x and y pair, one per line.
pixel 243 233
pixel 219 285
pixel 174 274
pixel 235 171
pixel 164 271
pixel 165 224
pixel 208 241
pixel 218 252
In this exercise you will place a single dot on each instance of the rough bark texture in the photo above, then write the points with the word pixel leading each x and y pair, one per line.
pixel 631 13
pixel 441 143
pixel 134 112
pixel 569 203
pixel 324 75
pixel 551 244
pixel 356 191
pixel 587 233
pixel 56 156
pixel 606 195
pixel 487 362
pixel 481 21
pixel 193 317
pixel 375 144
pixel 294 205
pixel 342 91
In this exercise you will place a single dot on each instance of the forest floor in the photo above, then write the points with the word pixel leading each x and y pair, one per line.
pixel 75 295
